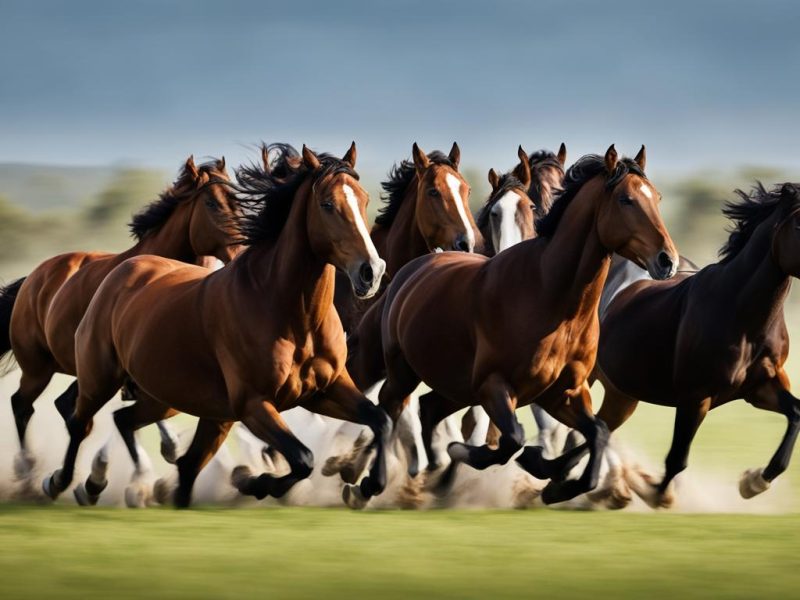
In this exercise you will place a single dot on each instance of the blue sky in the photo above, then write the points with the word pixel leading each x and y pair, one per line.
pixel 701 83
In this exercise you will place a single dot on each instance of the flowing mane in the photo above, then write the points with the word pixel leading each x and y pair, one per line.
pixel 584 169
pixel 155 214
pixel 508 182
pixel 749 212
pixel 395 187
pixel 268 195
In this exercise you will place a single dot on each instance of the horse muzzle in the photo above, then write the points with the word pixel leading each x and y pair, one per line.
pixel 366 277
pixel 663 265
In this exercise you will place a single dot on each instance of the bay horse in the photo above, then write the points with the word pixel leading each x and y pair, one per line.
pixel 702 340
pixel 246 342
pixel 193 218
pixel 504 221
pixel 479 332
pixel 426 209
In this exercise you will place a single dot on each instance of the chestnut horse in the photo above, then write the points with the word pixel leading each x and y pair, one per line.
pixel 193 218
pixel 247 341
pixel 427 209
pixel 522 326
pixel 699 341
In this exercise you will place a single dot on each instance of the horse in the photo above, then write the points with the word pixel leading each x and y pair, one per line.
pixel 193 218
pixel 426 209
pixel 704 339
pixel 522 326
pixel 244 343
pixel 503 222
pixel 128 420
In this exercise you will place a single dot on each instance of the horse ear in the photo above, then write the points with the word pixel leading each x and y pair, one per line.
pixel 455 155
pixel 421 161
pixel 641 158
pixel 350 156
pixel 562 154
pixel 611 159
pixel 191 168
pixel 523 170
pixel 494 179
pixel 265 158
pixel 310 159
pixel 221 164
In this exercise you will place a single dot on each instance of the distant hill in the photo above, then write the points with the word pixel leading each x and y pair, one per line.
pixel 45 187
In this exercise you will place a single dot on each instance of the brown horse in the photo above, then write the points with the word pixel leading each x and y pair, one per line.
pixel 699 341
pixel 246 342
pixel 192 218
pixel 427 208
pixel 480 333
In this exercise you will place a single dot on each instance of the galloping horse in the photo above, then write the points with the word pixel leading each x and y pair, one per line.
pixel 247 341
pixel 504 221
pixel 193 218
pixel 522 326
pixel 427 209
pixel 699 341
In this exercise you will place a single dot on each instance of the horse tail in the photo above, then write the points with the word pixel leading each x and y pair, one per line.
pixel 8 296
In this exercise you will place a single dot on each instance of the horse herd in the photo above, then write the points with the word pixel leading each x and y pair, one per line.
pixel 564 277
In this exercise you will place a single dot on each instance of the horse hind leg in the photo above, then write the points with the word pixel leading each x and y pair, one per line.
pixel 31 386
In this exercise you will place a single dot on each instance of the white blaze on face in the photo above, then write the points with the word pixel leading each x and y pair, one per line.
pixel 645 189
pixel 454 183
pixel 352 203
pixel 508 232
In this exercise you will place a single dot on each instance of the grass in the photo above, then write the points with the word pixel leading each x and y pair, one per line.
pixel 301 553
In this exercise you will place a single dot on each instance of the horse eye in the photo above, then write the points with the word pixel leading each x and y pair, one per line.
pixel 625 201
pixel 327 205
pixel 533 206
pixel 212 204
pixel 433 193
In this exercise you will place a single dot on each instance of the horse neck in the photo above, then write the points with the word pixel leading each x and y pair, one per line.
pixel 297 283
pixel 172 239
pixel 574 264
pixel 757 285
pixel 402 242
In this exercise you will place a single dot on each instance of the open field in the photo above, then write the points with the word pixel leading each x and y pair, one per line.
pixel 304 553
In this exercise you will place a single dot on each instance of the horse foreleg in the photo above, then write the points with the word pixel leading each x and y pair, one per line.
pixel 266 423
pixel 776 398
pixel 343 400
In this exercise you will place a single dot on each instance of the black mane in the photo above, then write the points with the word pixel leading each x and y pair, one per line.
pixel 540 163
pixel 749 212
pixel 584 169
pixel 394 188
pixel 544 158
pixel 155 214
pixel 269 195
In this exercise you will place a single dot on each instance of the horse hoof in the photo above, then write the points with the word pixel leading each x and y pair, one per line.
pixel 83 497
pixel 240 477
pixel 169 451
pixel 49 486
pixel 137 495
pixel 332 466
pixel 23 465
pixel 752 483
pixel 352 497
pixel 458 452
pixel 162 491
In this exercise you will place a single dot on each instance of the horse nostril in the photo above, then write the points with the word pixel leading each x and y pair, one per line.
pixel 461 244
pixel 365 272
pixel 664 261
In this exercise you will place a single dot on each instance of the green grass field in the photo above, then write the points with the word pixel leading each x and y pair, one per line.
pixel 313 553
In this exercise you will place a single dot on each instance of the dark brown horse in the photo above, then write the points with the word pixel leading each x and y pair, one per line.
pixel 246 342
pixel 480 333
pixel 427 209
pixel 193 218
pixel 699 341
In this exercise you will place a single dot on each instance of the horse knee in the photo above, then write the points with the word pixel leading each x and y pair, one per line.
pixel 22 408
pixel 78 427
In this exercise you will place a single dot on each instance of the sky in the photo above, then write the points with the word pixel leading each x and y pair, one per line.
pixel 701 83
